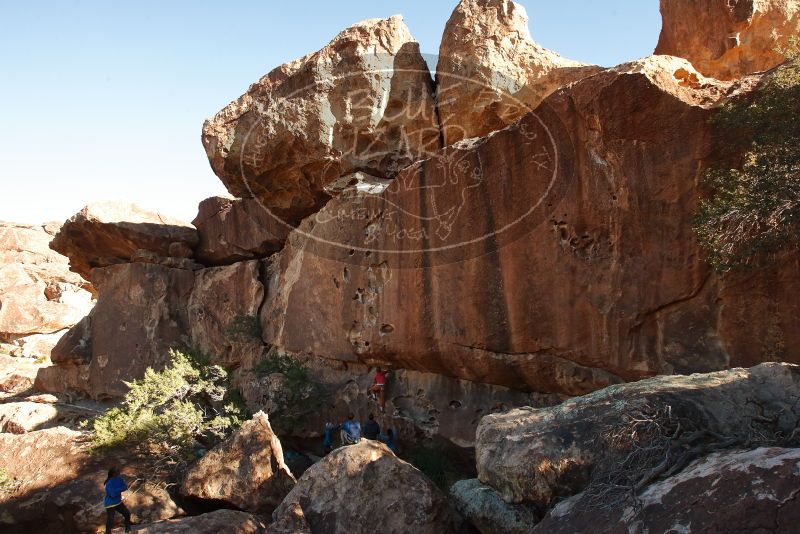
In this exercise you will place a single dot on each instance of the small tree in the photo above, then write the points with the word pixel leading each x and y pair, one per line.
pixel 170 410
pixel 755 209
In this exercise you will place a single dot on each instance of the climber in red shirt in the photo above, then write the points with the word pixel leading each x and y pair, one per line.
pixel 378 387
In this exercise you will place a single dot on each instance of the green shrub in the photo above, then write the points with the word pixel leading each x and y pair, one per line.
pixel 754 210
pixel 435 464
pixel 169 410
pixel 297 396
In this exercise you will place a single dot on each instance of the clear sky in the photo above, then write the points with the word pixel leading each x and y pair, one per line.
pixel 105 100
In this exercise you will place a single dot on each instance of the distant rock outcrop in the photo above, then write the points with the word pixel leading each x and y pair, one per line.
pixel 39 297
pixel 363 102
pixel 363 488
pixel 728 39
pixel 246 471
pixel 109 233
pixel 491 72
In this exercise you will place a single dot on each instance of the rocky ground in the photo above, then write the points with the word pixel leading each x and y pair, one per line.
pixel 512 238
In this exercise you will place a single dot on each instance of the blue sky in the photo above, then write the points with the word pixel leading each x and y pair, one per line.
pixel 105 100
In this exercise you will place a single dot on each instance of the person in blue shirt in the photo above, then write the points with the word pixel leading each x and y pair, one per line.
pixel 114 486
pixel 351 431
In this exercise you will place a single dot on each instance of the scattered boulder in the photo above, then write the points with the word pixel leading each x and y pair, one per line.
pixel 58 485
pixel 488 512
pixel 109 233
pixel 22 417
pixel 748 491
pixel 246 471
pixel 232 230
pixel 537 455
pixel 363 102
pixel 356 486
pixel 17 375
pixel 491 72
pixel 228 521
pixel 727 39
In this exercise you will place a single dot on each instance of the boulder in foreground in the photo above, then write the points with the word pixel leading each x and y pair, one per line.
pixel 365 488
pixel 246 470
pixel 742 491
pixel 227 521
pixel 537 455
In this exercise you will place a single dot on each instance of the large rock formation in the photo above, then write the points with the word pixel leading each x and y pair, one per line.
pixel 491 72
pixel 364 487
pixel 749 491
pixel 728 39
pixel 536 455
pixel 22 417
pixel 581 271
pixel 234 230
pixel 39 297
pixel 58 485
pixel 246 471
pixel 228 521
pixel 363 102
pixel 108 233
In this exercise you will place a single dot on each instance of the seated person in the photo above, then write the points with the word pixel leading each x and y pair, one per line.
pixel 372 429
pixel 351 431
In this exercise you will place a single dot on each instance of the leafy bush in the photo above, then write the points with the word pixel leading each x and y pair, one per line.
pixel 436 464
pixel 169 410
pixel 754 210
pixel 295 395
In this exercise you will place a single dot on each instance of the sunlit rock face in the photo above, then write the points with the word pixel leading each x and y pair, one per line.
pixel 363 102
pixel 111 233
pixel 39 296
pixel 728 39
pixel 491 72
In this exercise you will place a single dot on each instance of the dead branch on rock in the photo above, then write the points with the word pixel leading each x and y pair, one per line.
pixel 655 442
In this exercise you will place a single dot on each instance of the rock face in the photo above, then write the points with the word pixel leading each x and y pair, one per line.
pixel 488 512
pixel 39 296
pixel 581 271
pixel 59 485
pixel 355 486
pixel 535 455
pixel 754 490
pixel 728 39
pixel 246 470
pixel 228 521
pixel 419 405
pixel 232 230
pixel 108 233
pixel 491 72
pixel 363 102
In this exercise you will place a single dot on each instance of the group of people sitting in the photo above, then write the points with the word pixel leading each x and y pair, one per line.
pixel 350 432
